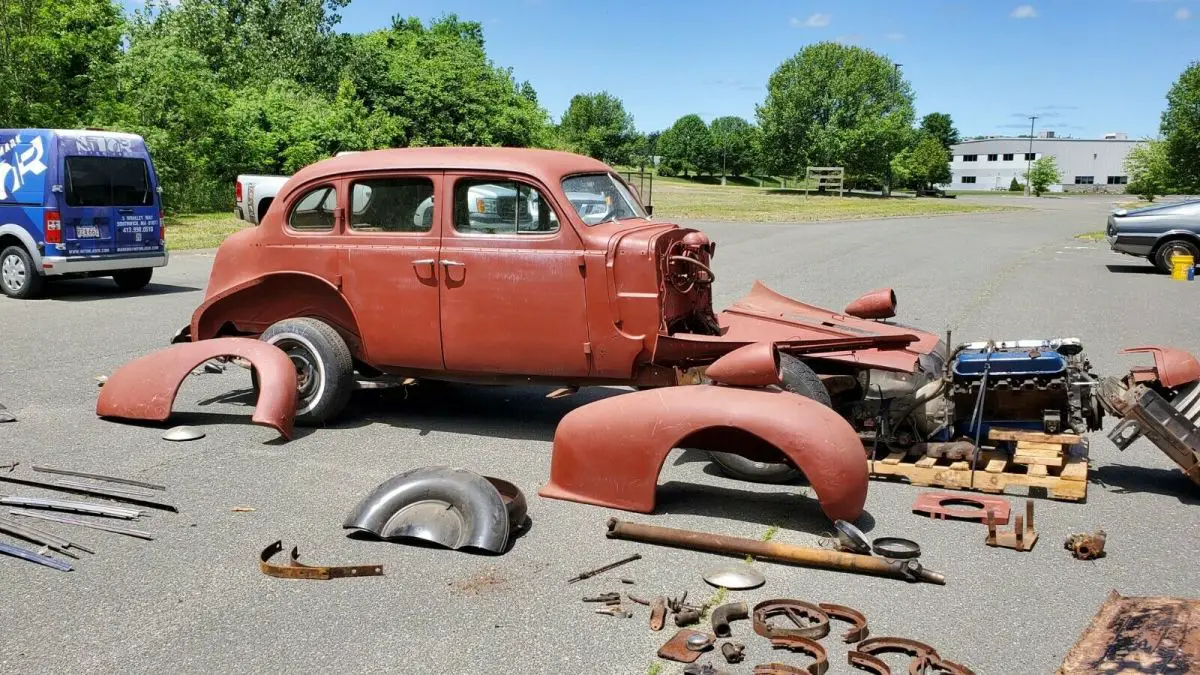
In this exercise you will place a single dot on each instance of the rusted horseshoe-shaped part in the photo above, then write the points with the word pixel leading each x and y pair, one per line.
pixel 858 631
pixel 813 648
pixel 922 654
pixel 298 570
pixel 868 663
pixel 810 620
pixel 778 669
pixel 950 668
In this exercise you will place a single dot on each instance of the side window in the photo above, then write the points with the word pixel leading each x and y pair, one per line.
pixel 501 207
pixel 392 205
pixel 314 212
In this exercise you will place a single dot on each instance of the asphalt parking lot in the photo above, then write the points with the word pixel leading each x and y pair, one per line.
pixel 193 600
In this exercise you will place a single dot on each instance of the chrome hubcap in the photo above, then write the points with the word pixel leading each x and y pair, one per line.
pixel 12 272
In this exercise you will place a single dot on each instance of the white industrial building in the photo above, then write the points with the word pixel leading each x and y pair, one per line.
pixel 1086 164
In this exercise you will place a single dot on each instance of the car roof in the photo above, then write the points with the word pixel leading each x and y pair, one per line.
pixel 550 166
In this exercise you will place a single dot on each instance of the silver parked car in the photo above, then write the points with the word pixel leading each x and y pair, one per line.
pixel 1157 232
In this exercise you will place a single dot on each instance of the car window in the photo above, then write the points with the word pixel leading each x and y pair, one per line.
pixel 501 207
pixel 314 211
pixel 108 181
pixel 601 197
pixel 392 205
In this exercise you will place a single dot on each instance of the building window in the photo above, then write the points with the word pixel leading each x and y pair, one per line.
pixel 992 158
pixel 1030 156
pixel 968 179
pixel 970 158
pixel 1008 156
pixel 1118 180
pixel 1085 180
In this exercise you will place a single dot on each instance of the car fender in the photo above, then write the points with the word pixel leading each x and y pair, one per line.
pixel 452 507
pixel 1174 367
pixel 610 452
pixel 145 388
pixel 26 240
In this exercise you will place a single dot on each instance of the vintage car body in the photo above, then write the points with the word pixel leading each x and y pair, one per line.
pixel 614 302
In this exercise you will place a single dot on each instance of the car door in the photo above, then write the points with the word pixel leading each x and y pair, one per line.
pixel 512 288
pixel 390 276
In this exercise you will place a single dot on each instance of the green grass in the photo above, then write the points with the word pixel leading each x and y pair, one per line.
pixel 690 201
pixel 1098 235
pixel 200 230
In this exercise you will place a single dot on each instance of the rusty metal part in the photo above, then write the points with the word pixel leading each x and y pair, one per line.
pixel 909 570
pixel 615 610
pixel 877 304
pixel 628 581
pixel 1021 538
pixel 755 365
pixel 298 570
pixel 67 520
pixel 658 613
pixel 857 620
pixel 92 491
pixel 951 668
pixel 896 548
pixel 923 656
pixel 1087 545
pixel 723 615
pixel 1173 367
pixel 607 598
pixel 10 466
pixel 779 669
pixel 638 600
pixel 609 452
pixel 145 388
pixel 951 450
pixel 868 663
pixel 974 507
pixel 1138 635
pixel 809 620
pixel 733 652
pixel 795 643
pixel 687 617
pixel 851 539
pixel 676 649
pixel 679 603
pixel 96 476
pixel 591 573
pixel 1173 426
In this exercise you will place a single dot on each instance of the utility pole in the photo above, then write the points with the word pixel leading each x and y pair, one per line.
pixel 1029 157
pixel 724 145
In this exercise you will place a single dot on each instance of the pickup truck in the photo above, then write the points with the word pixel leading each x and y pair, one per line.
pixel 254 194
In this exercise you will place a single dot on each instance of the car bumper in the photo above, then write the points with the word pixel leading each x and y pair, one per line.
pixel 1130 245
pixel 56 265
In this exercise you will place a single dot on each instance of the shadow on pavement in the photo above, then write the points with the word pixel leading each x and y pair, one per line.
pixel 1123 478
pixel 85 290
pixel 797 510
pixel 1133 269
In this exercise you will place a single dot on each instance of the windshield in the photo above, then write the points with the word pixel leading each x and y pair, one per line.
pixel 600 197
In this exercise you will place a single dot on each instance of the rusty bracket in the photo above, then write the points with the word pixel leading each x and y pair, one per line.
pixel 606 598
pixel 1086 546
pixel 678 649
pixel 942 505
pixel 871 664
pixel 795 643
pixel 858 630
pixel 810 620
pixel 658 613
pixel 1021 538
pixel 297 570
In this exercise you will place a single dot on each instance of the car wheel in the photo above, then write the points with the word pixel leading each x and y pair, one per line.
pixel 324 370
pixel 1162 257
pixel 133 280
pixel 18 278
pixel 798 378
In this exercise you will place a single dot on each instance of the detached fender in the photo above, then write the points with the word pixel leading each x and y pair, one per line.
pixel 1174 367
pixel 610 452
pixel 452 507
pixel 145 388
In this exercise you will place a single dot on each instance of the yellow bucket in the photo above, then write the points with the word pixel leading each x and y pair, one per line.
pixel 1182 266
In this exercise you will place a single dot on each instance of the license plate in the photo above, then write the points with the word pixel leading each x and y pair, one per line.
pixel 87 232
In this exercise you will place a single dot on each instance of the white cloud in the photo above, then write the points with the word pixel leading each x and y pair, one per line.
pixel 1183 14
pixel 894 37
pixel 848 39
pixel 1024 12
pixel 818 20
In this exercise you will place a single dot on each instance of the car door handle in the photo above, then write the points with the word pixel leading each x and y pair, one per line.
pixel 452 263
pixel 125 212
pixel 424 261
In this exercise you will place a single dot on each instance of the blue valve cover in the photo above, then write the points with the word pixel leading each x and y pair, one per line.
pixel 971 364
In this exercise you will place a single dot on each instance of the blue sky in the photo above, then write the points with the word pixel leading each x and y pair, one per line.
pixel 1085 66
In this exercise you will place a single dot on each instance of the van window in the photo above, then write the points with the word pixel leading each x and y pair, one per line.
pixel 108 181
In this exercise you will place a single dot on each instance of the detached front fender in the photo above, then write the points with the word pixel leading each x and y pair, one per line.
pixel 609 453
pixel 145 388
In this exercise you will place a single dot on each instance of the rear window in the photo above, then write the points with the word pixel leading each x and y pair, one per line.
pixel 108 181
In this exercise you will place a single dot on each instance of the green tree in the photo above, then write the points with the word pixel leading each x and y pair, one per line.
pixel 1181 129
pixel 1015 185
pixel 1044 174
pixel 644 148
pixel 835 105
pixel 597 125
pixel 688 145
pixel 923 165
pixel 1148 166
pixel 941 127
pixel 735 143
pixel 56 60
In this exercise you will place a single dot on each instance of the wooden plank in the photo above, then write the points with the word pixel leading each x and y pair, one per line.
pixel 1038 470
pixel 894 458
pixel 1041 449
pixel 1038 461
pixel 1075 470
pixel 997 434
pixel 1068 483
pixel 959 466
pixel 995 465
pixel 926 462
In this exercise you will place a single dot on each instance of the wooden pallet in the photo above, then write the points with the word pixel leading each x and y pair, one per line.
pixel 994 473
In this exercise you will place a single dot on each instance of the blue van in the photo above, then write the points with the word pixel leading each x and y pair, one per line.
pixel 77 204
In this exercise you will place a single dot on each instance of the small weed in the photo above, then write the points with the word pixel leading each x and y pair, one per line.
pixel 1098 235
pixel 655 668
pixel 714 601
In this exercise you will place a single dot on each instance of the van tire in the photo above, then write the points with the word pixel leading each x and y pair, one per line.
pixel 324 369
pixel 16 266
pixel 133 280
